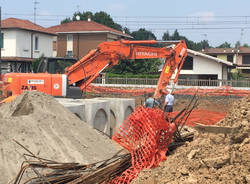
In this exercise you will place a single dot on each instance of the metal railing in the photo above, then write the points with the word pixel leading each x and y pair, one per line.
pixel 181 82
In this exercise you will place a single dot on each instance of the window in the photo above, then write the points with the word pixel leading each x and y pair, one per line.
pixel 245 71
pixel 36 42
pixel 70 53
pixel 2 42
pixel 230 58
pixel 54 45
pixel 246 59
pixel 188 63
pixel 70 37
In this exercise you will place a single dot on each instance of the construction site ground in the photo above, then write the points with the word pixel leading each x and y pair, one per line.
pixel 39 122
pixel 210 158
pixel 210 109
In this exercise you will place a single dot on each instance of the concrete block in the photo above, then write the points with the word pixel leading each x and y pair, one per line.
pixel 97 114
pixel 75 107
pixel 104 114
pixel 120 109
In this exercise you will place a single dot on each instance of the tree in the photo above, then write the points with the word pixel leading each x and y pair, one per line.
pixel 143 34
pixel 138 66
pixel 237 44
pixel 246 45
pixel 100 17
pixel 126 30
pixel 67 20
pixel 82 16
pixel 225 45
pixel 166 36
pixel 190 44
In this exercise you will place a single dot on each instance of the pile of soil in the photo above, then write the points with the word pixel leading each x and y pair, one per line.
pixel 210 158
pixel 50 131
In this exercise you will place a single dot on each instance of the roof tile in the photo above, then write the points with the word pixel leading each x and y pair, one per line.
pixel 83 26
pixel 24 24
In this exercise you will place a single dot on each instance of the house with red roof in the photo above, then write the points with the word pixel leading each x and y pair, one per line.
pixel 23 42
pixel 77 38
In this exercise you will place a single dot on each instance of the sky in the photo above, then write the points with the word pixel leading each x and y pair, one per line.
pixel 214 20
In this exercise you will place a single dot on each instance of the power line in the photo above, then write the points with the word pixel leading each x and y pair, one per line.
pixel 140 17
pixel 35 8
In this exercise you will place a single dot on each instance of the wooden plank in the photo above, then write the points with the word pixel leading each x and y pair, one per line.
pixel 214 129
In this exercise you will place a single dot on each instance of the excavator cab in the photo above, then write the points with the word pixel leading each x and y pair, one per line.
pixel 54 65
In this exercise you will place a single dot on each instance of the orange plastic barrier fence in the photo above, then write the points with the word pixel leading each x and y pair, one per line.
pixel 146 135
pixel 223 91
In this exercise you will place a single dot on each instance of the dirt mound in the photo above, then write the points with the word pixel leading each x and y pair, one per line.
pixel 210 158
pixel 49 130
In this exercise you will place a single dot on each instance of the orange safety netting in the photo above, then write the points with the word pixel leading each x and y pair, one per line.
pixel 222 91
pixel 203 117
pixel 146 135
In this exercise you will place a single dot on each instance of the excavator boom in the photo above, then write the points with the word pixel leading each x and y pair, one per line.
pixel 87 69
pixel 109 54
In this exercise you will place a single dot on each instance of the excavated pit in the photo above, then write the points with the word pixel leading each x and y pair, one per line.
pixel 49 130
pixel 210 158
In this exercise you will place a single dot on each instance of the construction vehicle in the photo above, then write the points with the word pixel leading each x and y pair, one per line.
pixel 79 75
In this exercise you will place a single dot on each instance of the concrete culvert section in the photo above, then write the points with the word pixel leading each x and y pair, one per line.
pixel 128 111
pixel 112 123
pixel 51 131
pixel 77 115
pixel 101 120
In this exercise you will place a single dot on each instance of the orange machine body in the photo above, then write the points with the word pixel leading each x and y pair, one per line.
pixel 87 69
pixel 16 83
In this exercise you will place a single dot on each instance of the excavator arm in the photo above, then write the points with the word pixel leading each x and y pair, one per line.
pixel 108 54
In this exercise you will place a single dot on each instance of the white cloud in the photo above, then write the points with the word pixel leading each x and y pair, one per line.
pixel 205 16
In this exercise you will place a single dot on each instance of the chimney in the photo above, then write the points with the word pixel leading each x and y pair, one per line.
pixel 89 18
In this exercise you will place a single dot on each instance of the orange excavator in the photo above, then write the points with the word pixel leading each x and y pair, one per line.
pixel 79 75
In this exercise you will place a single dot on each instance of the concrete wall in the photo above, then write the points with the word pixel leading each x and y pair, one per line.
pixel 82 43
pixel 23 44
pixel 112 37
pixel 204 66
pixel 104 114
pixel 45 45
pixel 223 57
pixel 17 43
pixel 120 109
pixel 224 72
pixel 9 48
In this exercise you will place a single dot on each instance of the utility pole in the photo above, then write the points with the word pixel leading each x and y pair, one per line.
pixel 35 3
pixel 1 43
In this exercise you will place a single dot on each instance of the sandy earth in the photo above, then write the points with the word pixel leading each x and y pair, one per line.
pixel 209 158
pixel 50 131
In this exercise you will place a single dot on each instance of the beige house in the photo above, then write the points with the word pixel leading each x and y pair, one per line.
pixel 239 57
pixel 23 41
pixel 77 38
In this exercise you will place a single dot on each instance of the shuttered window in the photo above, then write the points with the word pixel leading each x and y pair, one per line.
pixel 2 42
